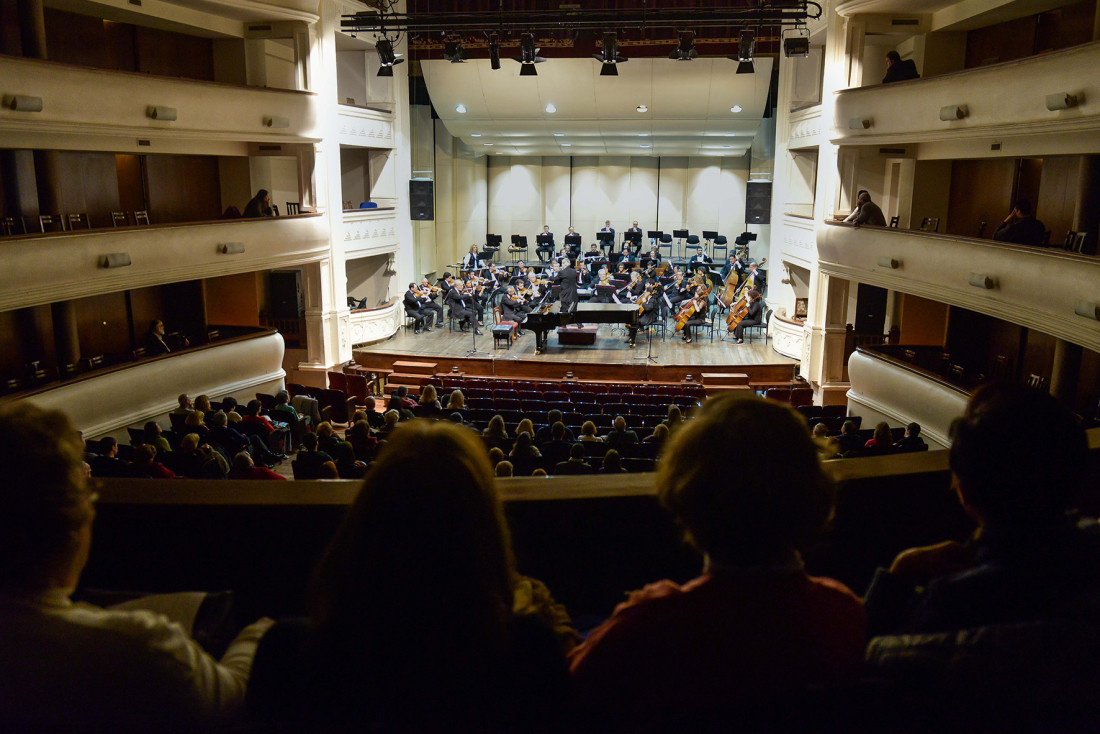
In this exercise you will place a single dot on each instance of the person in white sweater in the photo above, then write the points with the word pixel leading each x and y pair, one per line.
pixel 67 666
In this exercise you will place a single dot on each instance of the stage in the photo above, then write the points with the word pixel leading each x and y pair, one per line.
pixel 609 358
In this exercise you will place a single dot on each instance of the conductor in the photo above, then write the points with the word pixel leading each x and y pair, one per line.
pixel 567 278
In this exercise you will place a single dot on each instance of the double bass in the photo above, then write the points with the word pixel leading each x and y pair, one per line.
pixel 730 291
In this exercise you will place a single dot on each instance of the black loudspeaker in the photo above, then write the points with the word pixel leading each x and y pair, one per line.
pixel 421 199
pixel 284 294
pixel 758 203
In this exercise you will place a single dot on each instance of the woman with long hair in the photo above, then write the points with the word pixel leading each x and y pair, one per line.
pixel 259 206
pixel 411 608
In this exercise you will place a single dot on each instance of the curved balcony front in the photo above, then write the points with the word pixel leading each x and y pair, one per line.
pixel 41 269
pixel 95 109
pixel 1001 100
pixel 1041 289
pixel 369 232
pixel 362 127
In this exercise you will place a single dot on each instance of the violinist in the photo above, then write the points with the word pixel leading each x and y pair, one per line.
pixel 477 295
pixel 603 278
pixel 623 270
pixel 462 307
pixel 414 308
pixel 753 317
pixel 699 316
pixel 513 308
pixel 427 294
pixel 649 303
pixel 677 290
pixel 637 285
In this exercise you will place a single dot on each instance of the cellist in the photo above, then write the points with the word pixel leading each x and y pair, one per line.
pixel 754 314
pixel 649 307
pixel 697 315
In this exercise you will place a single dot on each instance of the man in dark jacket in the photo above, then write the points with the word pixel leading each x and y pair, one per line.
pixel 898 70
pixel 1021 226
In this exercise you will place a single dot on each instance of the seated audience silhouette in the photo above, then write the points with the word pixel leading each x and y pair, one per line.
pixel 754 623
pixel 411 624
pixel 68 666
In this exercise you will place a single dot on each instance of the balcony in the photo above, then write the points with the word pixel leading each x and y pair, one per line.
pixel 369 232
pixel 1033 287
pixel 86 108
pixel 804 127
pixel 1002 100
pixel 157 254
pixel 364 128
pixel 371 325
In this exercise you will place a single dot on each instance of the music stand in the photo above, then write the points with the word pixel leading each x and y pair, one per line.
pixel 635 239
pixel 606 240
pixel 519 242
pixel 573 242
pixel 541 240
pixel 709 235
pixel 680 234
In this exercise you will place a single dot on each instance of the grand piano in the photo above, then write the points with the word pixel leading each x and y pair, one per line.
pixel 586 313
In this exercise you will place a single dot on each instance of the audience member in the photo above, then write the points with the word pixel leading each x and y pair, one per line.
pixel 195 424
pixel 347 466
pixel 327 440
pixel 309 459
pixel 866 211
pixel 1021 226
pixel 849 439
pixel 244 468
pixel 390 419
pixel 674 419
pixel 540 472
pixel 659 436
pixel 612 463
pixel 154 436
pixel 199 462
pixel 274 437
pixel 229 407
pixel 882 438
pixel 362 442
pixel 544 433
pixel 557 448
pixel 495 435
pixel 202 404
pixel 503 468
pixel 145 464
pixel 457 401
pixel 258 206
pixel 526 426
pixel 1016 457
pixel 185 405
pixel 620 438
pixel 495 456
pixel 911 439
pixel 429 402
pixel 401 402
pixel 386 651
pixel 575 464
pixel 898 70
pixel 588 432
pixel 76 667
pixel 107 463
pixel 283 410
pixel 754 624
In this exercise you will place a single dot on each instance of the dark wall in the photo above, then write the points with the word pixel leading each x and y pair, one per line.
pixel 1034 34
pixel 981 191
pixel 182 188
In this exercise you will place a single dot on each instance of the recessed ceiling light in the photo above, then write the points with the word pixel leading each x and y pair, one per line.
pixel 727 146
pixel 488 144
pixel 643 135
pixel 550 108
pixel 559 135
pixel 566 145
pixel 645 145
pixel 475 135
pixel 460 108
pixel 736 108
pixel 642 108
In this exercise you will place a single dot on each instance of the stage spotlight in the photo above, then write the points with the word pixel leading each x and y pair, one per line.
pixel 494 52
pixel 796 47
pixel 609 55
pixel 685 49
pixel 528 55
pixel 386 57
pixel 453 52
pixel 746 47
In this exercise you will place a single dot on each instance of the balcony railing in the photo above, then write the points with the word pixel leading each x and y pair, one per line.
pixel 1000 99
pixel 1041 289
pixel 41 269
pixel 364 128
pixel 103 105
pixel 369 232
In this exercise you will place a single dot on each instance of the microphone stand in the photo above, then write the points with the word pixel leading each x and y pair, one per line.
pixel 474 351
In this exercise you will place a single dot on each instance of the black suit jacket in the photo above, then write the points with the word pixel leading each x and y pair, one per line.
pixel 511 309
pixel 412 303
pixel 568 280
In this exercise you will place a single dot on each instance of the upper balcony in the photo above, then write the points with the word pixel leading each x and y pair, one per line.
pixel 1037 288
pixel 1001 100
pixel 95 109
pixel 79 264
pixel 369 232
pixel 363 127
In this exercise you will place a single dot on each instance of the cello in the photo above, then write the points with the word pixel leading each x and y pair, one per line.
pixel 730 292
pixel 689 309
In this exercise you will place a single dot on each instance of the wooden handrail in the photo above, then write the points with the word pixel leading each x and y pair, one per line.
pixel 147 227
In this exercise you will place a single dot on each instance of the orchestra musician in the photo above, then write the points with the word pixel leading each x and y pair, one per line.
pixel 699 317
pixel 607 227
pixel 461 305
pixel 758 279
pixel 469 260
pixel 635 229
pixel 414 308
pixel 754 317
pixel 602 278
pixel 650 304
pixel 700 258
pixel 678 289
pixel 513 308
pixel 478 294
pixel 623 269
pixel 427 295
pixel 547 247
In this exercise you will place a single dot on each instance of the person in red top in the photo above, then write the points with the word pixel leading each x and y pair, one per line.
pixel 754 625
pixel 243 468
pixel 146 465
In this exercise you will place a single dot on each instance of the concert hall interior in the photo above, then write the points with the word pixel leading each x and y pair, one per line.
pixel 863 209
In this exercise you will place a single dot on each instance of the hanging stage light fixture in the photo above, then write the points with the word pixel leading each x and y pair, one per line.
pixel 609 56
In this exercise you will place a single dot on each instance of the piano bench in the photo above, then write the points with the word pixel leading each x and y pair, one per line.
pixel 503 332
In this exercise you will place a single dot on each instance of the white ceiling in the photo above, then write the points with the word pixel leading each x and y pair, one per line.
pixel 689 106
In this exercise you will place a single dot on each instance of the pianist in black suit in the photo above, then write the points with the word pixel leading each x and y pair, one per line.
pixel 512 308
pixel 567 278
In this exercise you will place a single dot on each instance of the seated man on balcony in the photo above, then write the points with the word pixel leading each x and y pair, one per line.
pixel 866 211
pixel 1021 226
pixel 898 70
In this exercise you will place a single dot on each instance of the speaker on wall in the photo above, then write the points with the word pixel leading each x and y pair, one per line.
pixel 421 199
pixel 758 202
pixel 284 294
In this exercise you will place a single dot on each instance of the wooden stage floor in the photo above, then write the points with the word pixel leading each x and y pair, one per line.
pixel 702 354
